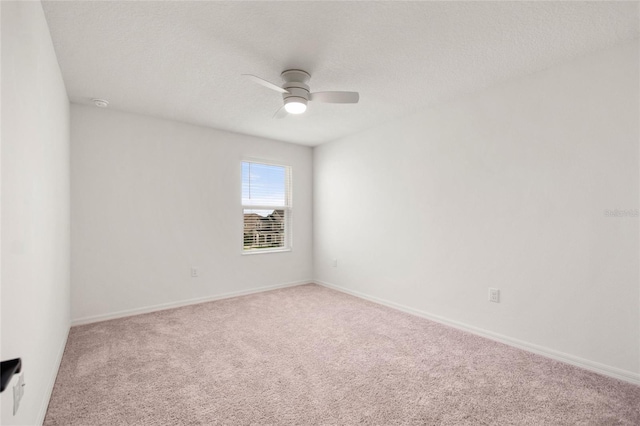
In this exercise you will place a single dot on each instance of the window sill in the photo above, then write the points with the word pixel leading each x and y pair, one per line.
pixel 264 251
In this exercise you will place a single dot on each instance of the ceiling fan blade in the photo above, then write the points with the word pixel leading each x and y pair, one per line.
pixel 265 83
pixel 335 97
pixel 281 113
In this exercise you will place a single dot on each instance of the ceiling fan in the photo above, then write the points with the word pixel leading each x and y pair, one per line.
pixel 296 94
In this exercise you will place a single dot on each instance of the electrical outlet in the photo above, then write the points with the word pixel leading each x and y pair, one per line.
pixel 18 391
pixel 494 295
pixel 195 272
pixel 334 263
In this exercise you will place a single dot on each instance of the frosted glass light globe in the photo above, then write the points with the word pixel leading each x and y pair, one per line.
pixel 295 107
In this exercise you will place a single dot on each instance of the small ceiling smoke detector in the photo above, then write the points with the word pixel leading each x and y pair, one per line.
pixel 101 103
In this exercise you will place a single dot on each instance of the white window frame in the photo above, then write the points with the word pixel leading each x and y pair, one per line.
pixel 288 208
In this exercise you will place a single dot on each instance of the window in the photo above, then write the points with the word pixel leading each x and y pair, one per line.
pixel 266 207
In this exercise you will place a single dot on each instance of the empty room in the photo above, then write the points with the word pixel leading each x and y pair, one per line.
pixel 320 213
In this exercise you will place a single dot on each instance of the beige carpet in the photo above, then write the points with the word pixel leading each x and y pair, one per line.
pixel 308 356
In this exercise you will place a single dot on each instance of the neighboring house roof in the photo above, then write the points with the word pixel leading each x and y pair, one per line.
pixel 272 223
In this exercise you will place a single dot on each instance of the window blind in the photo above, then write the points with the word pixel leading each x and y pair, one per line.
pixel 266 207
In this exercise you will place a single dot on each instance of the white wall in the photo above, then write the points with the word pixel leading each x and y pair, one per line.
pixel 35 208
pixel 152 197
pixel 505 188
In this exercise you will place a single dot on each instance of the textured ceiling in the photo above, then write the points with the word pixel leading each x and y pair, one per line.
pixel 183 60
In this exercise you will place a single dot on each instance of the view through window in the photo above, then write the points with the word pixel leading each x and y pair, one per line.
pixel 266 206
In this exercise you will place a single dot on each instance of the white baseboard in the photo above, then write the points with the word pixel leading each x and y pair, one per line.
pixel 617 373
pixel 171 305
pixel 52 380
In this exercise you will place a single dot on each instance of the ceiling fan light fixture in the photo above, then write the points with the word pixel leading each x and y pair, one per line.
pixel 295 93
pixel 295 105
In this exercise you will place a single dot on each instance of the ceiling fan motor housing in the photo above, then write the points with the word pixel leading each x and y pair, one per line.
pixel 295 83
